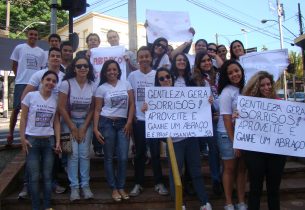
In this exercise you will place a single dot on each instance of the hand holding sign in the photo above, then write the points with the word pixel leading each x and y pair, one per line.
pixel 271 126
pixel 178 112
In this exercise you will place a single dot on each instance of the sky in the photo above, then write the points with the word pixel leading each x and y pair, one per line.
pixel 207 21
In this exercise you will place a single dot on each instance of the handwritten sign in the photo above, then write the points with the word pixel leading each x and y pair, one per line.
pixel 271 126
pixel 272 61
pixel 160 24
pixel 101 54
pixel 178 112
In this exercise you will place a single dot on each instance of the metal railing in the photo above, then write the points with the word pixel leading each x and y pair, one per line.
pixel 176 174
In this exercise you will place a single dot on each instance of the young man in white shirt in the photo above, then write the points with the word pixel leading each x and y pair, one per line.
pixel 27 59
pixel 130 57
pixel 139 79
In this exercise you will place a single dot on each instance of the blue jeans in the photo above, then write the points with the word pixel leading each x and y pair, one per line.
pixel 40 159
pixel 154 146
pixel 188 150
pixel 116 142
pixel 79 160
pixel 214 162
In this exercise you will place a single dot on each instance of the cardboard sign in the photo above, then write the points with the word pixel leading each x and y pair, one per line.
pixel 101 54
pixel 160 24
pixel 272 61
pixel 271 126
pixel 178 112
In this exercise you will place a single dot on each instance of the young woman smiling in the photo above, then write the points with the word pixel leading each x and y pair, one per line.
pixel 76 107
pixel 260 164
pixel 40 135
pixel 230 85
pixel 113 117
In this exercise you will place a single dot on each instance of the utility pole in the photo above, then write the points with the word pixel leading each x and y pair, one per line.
pixel 132 25
pixel 53 25
pixel 279 15
pixel 5 79
pixel 216 36
pixel 301 33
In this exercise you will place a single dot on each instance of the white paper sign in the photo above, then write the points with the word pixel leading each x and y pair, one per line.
pixel 272 61
pixel 178 112
pixel 101 54
pixel 271 126
pixel 174 26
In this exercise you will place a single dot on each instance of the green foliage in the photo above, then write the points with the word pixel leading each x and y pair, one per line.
pixel 296 58
pixel 25 12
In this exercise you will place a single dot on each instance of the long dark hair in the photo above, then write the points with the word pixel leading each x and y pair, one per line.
pixel 157 82
pixel 233 56
pixel 199 76
pixel 103 77
pixel 70 71
pixel 157 41
pixel 187 70
pixel 224 79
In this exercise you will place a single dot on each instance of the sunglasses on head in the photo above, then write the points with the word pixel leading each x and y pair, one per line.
pixel 79 66
pixel 211 49
pixel 162 46
pixel 167 77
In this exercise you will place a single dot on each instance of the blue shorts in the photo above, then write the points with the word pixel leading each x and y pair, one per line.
pixel 225 146
pixel 19 88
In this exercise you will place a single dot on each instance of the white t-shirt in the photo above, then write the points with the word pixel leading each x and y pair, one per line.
pixel 41 114
pixel 30 60
pixel 227 104
pixel 115 99
pixel 80 98
pixel 180 82
pixel 36 79
pixel 163 62
pixel 139 81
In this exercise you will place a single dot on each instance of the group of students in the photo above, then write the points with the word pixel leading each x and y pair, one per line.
pixel 70 101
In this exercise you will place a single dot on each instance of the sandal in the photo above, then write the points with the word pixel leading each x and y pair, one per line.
pixel 124 195
pixel 116 196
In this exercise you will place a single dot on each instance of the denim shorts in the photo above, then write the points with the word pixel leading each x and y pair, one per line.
pixel 225 146
pixel 19 88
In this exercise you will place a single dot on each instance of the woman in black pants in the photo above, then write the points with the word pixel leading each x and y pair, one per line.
pixel 261 164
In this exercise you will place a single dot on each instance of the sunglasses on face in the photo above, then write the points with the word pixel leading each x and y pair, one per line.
pixel 211 49
pixel 162 79
pixel 162 46
pixel 79 66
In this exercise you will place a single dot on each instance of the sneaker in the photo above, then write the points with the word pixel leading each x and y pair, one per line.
pixel 24 192
pixel 59 189
pixel 183 207
pixel 74 194
pixel 137 189
pixel 160 188
pixel 87 193
pixel 207 206
pixel 229 207
pixel 241 206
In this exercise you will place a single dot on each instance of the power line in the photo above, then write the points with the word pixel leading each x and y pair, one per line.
pixel 105 9
pixel 227 16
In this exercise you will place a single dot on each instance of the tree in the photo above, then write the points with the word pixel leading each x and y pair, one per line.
pixel 296 59
pixel 24 12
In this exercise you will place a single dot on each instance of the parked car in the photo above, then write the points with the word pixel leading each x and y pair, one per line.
pixel 280 94
pixel 299 97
